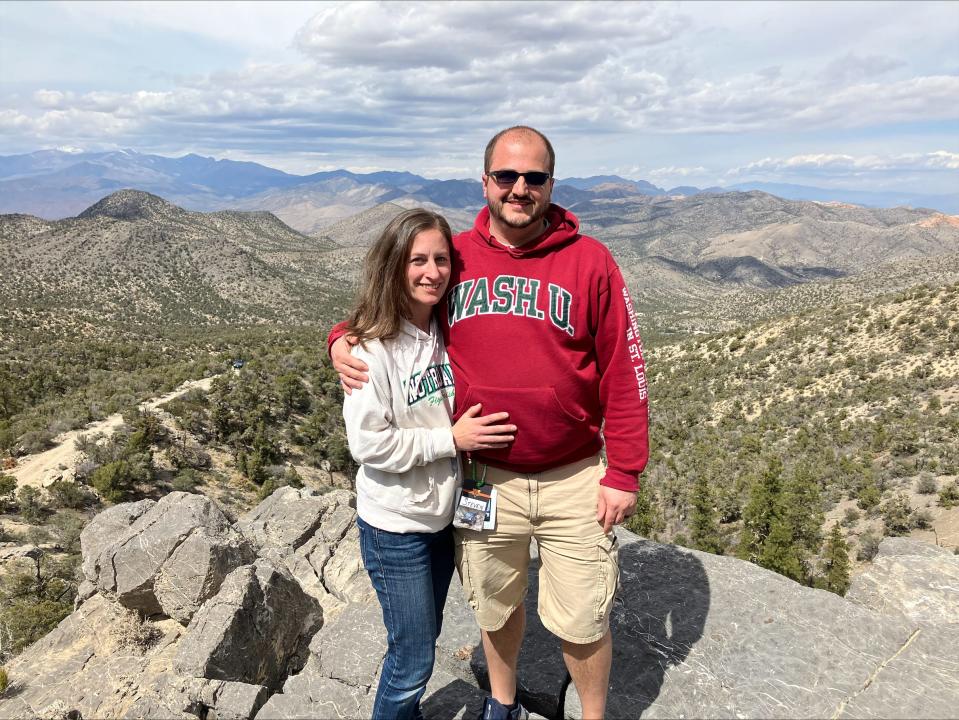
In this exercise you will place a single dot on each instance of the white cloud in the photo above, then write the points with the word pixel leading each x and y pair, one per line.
pixel 423 85
pixel 670 172
pixel 843 163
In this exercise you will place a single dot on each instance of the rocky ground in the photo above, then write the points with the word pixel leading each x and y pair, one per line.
pixel 185 615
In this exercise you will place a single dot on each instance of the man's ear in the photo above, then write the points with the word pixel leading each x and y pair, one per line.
pixel 484 181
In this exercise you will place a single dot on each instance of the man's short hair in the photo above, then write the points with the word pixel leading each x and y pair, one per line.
pixel 522 130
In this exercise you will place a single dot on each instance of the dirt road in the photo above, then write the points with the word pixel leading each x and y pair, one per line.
pixel 42 468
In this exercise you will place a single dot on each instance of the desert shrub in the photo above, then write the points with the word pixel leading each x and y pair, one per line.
pixel 24 622
pixel 868 496
pixel 921 519
pixel 897 515
pixel 147 428
pixel 268 487
pixel 949 495
pixel 851 517
pixel 64 494
pixel 868 545
pixel 66 528
pixel 4 680
pixel 926 484
pixel 8 486
pixel 30 608
pixel 115 481
pixel 134 633
pixel 30 504
pixel 35 441
pixel 186 480
pixel 182 455
pixel 277 478
pixel 38 535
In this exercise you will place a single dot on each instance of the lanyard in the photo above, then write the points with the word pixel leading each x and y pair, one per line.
pixel 482 480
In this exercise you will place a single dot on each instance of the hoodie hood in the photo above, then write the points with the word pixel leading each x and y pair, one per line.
pixel 562 227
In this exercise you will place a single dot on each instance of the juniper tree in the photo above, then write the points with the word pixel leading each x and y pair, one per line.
pixel 704 528
pixel 835 563
pixel 780 552
pixel 761 510
pixel 802 506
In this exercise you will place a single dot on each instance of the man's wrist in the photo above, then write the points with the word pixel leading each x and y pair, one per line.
pixel 619 480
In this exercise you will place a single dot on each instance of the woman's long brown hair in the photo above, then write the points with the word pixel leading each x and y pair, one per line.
pixel 383 300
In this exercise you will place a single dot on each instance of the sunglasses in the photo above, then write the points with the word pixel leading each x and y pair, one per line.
pixel 509 177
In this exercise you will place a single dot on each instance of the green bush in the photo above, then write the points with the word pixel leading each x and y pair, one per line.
pixel 186 480
pixel 8 486
pixel 4 680
pixel 30 504
pixel 926 484
pixel 66 527
pixel 897 515
pixel 115 481
pixel 868 545
pixel 949 495
pixel 36 441
pixel 868 496
pixel 182 455
pixel 65 494
pixel 25 622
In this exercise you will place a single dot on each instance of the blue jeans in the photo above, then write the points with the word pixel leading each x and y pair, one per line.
pixel 411 575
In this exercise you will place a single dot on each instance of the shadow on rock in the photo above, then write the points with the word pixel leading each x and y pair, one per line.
pixel 456 699
pixel 658 616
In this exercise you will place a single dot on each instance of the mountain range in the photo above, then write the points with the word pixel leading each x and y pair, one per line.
pixel 54 184
pixel 134 257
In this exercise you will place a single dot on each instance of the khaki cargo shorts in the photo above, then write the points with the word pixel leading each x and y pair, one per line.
pixel 579 569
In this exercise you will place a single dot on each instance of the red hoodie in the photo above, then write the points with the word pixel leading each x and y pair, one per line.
pixel 547 332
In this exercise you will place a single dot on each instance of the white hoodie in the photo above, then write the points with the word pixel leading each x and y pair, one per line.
pixel 398 427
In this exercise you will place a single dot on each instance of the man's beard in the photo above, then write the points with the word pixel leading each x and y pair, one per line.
pixel 496 208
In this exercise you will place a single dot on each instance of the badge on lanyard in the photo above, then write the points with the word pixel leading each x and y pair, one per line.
pixel 475 509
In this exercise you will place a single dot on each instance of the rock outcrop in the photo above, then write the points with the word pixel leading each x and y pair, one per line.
pixel 252 630
pixel 169 560
pixel 274 617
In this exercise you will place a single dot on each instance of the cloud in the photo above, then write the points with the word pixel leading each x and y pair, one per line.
pixel 508 40
pixel 857 68
pixel 848 164
pixel 423 85
pixel 670 172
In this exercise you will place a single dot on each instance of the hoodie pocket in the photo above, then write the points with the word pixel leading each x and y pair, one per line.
pixel 545 426
pixel 395 491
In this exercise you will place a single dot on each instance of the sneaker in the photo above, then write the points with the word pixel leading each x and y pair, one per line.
pixel 495 710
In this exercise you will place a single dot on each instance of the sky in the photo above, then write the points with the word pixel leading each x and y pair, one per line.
pixel 859 95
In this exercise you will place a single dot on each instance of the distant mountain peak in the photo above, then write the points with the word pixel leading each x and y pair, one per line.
pixel 131 205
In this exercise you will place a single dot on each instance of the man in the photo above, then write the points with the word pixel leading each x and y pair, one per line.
pixel 538 323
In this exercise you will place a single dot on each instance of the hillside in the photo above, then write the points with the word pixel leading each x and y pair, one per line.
pixel 136 258
pixel 860 397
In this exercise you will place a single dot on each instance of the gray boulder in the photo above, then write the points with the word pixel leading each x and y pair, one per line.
pixel 104 530
pixel 172 557
pixel 170 696
pixel 196 569
pixel 697 634
pixel 287 518
pixel 911 578
pixel 91 663
pixel 339 678
pixel 252 631
pixel 315 537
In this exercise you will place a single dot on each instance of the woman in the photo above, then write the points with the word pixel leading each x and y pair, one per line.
pixel 398 427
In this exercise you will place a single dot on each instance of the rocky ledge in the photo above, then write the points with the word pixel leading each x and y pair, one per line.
pixel 183 614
